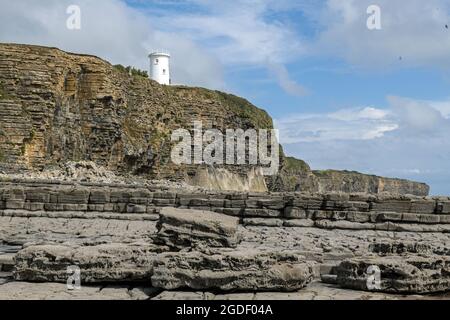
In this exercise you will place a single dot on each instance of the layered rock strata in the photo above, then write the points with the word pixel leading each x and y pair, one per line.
pixel 296 175
pixel 410 273
pixel 395 267
pixel 227 270
pixel 326 247
pixel 97 264
pixel 179 229
pixel 327 211
pixel 206 261
pixel 57 107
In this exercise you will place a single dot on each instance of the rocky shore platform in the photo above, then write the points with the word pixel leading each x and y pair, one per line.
pixel 151 242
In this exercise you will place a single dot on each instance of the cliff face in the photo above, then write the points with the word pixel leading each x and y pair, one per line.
pixel 347 181
pixel 293 174
pixel 296 175
pixel 57 107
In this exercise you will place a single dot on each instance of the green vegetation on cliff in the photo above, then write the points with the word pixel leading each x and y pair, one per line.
pixel 240 108
pixel 353 181
pixel 341 173
pixel 294 175
pixel 295 165
pixel 245 109
pixel 131 70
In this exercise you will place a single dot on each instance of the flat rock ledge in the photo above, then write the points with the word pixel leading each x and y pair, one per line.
pixel 412 273
pixel 98 264
pixel 231 270
pixel 179 229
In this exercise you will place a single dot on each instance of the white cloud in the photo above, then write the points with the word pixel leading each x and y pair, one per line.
pixel 410 117
pixel 109 29
pixel 348 124
pixel 284 80
pixel 367 113
pixel 408 140
pixel 416 115
pixel 239 34
pixel 442 107
pixel 245 37
pixel 243 32
pixel 190 65
pixel 413 33
pixel 220 33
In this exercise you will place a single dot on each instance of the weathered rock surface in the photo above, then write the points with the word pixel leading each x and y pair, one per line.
pixel 69 231
pixel 389 212
pixel 18 231
pixel 15 290
pixel 227 270
pixel 324 228
pixel 328 247
pixel 314 291
pixel 191 228
pixel 102 263
pixel 6 262
pixel 399 273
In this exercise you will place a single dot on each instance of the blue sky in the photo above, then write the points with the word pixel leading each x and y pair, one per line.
pixel 343 96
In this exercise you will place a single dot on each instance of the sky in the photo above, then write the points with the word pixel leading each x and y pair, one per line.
pixel 343 95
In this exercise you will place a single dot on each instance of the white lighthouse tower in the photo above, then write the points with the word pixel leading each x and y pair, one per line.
pixel 160 67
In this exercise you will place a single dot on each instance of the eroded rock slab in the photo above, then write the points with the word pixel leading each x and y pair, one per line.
pixel 102 263
pixel 72 231
pixel 178 228
pixel 410 273
pixel 227 270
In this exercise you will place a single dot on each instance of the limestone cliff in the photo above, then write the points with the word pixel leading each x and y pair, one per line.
pixel 57 107
pixel 296 175
pixel 350 181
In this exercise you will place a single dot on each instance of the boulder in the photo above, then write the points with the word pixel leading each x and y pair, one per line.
pixel 102 263
pixel 227 269
pixel 180 228
pixel 407 274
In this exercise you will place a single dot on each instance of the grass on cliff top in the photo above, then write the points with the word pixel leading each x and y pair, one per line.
pixel 131 70
pixel 295 165
pixel 239 106
pixel 340 172
pixel 245 109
